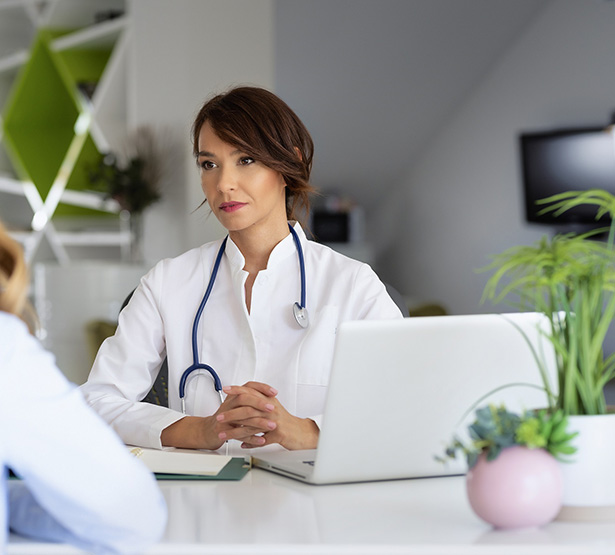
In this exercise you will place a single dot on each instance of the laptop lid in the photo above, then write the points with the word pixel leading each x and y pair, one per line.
pixel 399 389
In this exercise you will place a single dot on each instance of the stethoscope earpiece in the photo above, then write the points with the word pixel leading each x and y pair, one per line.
pixel 299 311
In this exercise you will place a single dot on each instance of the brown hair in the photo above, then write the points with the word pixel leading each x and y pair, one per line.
pixel 260 124
pixel 14 280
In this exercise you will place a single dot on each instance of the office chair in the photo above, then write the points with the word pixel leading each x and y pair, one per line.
pixel 397 298
pixel 159 393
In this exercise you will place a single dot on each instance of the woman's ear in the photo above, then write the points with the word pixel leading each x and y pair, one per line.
pixel 298 153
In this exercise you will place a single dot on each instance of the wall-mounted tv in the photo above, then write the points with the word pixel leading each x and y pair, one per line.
pixel 565 160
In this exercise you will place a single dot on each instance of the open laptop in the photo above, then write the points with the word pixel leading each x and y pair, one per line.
pixel 399 390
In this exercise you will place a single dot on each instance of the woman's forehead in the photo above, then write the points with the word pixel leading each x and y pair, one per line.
pixel 211 144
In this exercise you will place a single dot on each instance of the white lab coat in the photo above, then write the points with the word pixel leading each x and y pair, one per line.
pixel 265 345
pixel 80 485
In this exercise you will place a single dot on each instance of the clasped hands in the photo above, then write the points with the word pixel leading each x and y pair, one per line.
pixel 252 414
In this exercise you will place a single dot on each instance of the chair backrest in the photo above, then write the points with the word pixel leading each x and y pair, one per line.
pixel 159 393
pixel 397 298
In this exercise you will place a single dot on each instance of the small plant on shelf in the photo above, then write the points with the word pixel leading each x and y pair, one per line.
pixel 131 180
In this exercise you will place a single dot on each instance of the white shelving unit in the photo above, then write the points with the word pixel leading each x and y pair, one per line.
pixel 103 118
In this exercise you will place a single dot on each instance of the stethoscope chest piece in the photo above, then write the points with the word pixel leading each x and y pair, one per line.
pixel 301 315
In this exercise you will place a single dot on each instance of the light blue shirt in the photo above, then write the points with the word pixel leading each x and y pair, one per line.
pixel 79 483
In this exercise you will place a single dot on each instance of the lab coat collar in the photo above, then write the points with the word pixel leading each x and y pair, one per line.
pixel 286 247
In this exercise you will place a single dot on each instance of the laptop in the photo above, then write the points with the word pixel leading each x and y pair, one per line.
pixel 400 389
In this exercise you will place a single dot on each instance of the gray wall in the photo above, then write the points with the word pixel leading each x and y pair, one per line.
pixel 462 201
pixel 181 53
pixel 374 81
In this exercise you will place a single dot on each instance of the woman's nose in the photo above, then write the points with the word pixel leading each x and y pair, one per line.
pixel 227 181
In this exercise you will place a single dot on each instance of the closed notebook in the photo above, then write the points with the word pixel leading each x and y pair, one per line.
pixel 181 461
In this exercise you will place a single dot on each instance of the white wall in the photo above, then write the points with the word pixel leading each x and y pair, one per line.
pixel 463 201
pixel 182 52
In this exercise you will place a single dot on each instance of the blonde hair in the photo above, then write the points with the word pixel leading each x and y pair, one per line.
pixel 14 279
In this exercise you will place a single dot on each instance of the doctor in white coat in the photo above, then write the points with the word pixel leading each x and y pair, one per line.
pixel 255 158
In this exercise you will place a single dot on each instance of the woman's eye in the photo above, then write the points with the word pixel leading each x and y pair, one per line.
pixel 208 165
pixel 246 160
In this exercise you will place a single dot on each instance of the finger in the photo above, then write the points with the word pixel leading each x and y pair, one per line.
pixel 271 438
pixel 258 425
pixel 245 434
pixel 243 416
pixel 236 390
pixel 262 388
pixel 244 400
pixel 252 442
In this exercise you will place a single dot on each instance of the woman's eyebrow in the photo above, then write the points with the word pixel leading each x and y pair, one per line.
pixel 211 154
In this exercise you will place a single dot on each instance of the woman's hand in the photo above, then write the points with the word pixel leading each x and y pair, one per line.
pixel 250 414
pixel 277 425
pixel 246 413
pixel 243 414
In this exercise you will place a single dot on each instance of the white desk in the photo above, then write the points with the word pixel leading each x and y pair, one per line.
pixel 265 513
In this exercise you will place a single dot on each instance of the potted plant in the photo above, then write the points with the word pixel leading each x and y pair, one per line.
pixel 513 479
pixel 571 279
pixel 132 180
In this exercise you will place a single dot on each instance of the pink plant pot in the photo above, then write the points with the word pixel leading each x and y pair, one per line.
pixel 521 488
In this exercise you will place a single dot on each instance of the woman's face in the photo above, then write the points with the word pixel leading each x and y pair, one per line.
pixel 242 193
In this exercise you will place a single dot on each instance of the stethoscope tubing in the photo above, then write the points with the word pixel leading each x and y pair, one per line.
pixel 196 365
pixel 301 263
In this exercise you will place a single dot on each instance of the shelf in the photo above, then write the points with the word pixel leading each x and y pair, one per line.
pixel 21 236
pixel 63 103
pixel 11 186
pixel 109 104
pixel 102 36
pixel 49 117
pixel 13 61
pixel 94 201
pixel 94 238
pixel 80 13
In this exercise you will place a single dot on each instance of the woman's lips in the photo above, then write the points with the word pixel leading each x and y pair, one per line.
pixel 231 206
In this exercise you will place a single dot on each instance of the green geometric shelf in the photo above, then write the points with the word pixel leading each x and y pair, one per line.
pixel 40 116
pixel 88 158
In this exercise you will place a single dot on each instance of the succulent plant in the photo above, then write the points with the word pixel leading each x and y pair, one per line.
pixel 495 428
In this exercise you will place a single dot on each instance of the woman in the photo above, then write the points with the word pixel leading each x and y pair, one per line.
pixel 255 158
pixel 78 482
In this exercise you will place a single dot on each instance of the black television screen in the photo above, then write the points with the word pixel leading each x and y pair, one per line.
pixel 566 160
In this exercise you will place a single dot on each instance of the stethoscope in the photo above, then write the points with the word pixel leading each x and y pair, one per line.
pixel 299 311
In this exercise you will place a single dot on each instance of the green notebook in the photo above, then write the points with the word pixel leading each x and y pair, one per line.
pixel 170 463
pixel 235 469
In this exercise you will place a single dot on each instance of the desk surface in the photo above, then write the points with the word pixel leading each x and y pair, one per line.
pixel 265 513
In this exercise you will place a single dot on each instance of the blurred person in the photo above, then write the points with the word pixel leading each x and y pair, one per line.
pixel 77 483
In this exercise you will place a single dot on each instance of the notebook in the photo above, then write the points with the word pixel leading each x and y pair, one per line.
pixel 399 390
pixel 170 463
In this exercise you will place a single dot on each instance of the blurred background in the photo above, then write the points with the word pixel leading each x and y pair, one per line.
pixel 415 107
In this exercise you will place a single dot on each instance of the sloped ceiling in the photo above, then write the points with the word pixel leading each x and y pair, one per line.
pixel 375 79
